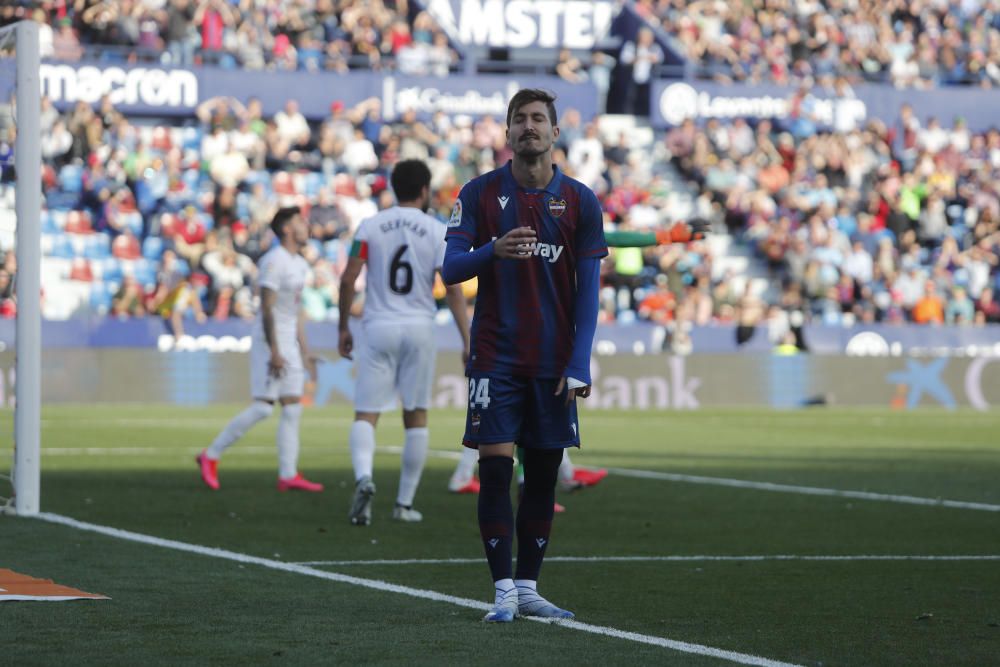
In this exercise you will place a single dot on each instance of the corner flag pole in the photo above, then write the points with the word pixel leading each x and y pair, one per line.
pixel 27 413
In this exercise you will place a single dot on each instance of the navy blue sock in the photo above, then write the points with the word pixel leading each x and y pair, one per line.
pixel 534 514
pixel 496 515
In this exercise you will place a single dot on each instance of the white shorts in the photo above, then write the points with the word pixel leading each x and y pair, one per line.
pixel 264 385
pixel 395 357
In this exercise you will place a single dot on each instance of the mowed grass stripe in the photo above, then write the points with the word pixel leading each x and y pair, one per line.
pixel 672 644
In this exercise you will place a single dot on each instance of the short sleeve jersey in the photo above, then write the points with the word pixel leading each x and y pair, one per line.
pixel 523 323
pixel 285 273
pixel 403 248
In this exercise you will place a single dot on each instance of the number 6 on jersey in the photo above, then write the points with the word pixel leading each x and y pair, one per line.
pixel 479 392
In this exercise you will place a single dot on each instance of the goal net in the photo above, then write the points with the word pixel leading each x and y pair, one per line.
pixel 20 87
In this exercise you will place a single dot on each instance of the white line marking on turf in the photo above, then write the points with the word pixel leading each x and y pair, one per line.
pixel 661 559
pixel 624 472
pixel 684 647
pixel 804 490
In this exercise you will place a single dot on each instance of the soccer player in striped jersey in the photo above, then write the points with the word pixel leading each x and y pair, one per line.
pixel 572 477
pixel 403 248
pixel 536 239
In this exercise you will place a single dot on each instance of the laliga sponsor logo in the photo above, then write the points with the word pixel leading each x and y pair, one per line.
pixel 149 86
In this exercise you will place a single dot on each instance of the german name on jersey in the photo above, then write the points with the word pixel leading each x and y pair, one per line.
pixel 403 247
pixel 523 321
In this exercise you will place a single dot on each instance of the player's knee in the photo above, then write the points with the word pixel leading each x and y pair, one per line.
pixel 496 471
pixel 292 410
pixel 262 410
pixel 541 467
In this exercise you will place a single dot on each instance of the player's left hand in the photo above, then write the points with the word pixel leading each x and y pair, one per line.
pixel 571 394
pixel 311 361
pixel 346 344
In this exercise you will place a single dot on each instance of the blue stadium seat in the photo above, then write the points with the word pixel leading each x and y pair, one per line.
pixel 111 270
pixel 49 225
pixel 97 246
pixel 71 178
pixel 133 221
pixel 152 248
pixel 312 183
pixel 101 294
pixel 62 246
pixel 333 249
pixel 145 273
pixel 183 267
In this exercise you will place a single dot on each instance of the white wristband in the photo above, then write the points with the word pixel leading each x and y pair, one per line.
pixel 573 383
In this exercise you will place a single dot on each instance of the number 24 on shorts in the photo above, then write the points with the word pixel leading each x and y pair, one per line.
pixel 479 392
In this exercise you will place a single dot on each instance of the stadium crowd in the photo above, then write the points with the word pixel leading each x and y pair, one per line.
pixel 309 35
pixel 881 223
pixel 912 43
pixel 889 223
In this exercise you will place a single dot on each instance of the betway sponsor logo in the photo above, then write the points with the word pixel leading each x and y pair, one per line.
pixel 151 87
pixel 574 24
pixel 547 251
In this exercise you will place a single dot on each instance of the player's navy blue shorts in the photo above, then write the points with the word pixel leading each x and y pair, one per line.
pixel 504 408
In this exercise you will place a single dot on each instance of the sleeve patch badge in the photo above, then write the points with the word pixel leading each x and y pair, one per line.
pixel 456 214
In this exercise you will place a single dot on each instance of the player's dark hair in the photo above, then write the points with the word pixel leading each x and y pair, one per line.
pixel 529 95
pixel 281 218
pixel 408 178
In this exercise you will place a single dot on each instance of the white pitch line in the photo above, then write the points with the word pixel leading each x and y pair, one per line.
pixel 664 559
pixel 804 490
pixel 624 472
pixel 684 647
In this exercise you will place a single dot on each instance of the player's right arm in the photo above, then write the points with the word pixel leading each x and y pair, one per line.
pixel 359 255
pixel 269 297
pixel 460 264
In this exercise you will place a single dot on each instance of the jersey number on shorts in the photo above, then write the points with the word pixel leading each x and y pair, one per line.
pixel 400 272
pixel 479 392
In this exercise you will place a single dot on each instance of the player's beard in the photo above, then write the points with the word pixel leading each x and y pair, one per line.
pixel 531 152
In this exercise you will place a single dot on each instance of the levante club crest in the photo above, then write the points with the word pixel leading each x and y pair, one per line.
pixel 557 207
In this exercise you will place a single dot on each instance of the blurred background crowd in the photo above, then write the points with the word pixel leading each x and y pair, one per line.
pixel 815 221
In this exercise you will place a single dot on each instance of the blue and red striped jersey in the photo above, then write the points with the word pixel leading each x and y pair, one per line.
pixel 523 323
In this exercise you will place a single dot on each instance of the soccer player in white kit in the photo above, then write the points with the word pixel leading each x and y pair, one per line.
pixel 403 248
pixel 279 356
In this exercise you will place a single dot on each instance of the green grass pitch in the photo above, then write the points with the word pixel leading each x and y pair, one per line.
pixel 132 467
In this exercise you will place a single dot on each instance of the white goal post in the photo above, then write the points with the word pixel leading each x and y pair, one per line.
pixel 26 475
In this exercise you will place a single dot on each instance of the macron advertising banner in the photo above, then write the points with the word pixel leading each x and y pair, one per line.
pixel 165 91
pixel 673 102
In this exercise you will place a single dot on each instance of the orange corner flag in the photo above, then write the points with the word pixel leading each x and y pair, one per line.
pixel 14 586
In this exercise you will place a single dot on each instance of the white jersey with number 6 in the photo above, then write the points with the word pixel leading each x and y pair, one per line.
pixel 403 248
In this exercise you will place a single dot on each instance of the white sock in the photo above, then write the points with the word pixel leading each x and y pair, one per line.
pixel 466 467
pixel 566 467
pixel 288 440
pixel 238 425
pixel 362 441
pixel 414 455
pixel 502 588
pixel 526 584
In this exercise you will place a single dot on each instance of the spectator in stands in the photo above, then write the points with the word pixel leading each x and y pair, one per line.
pixel 129 300
pixel 640 57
